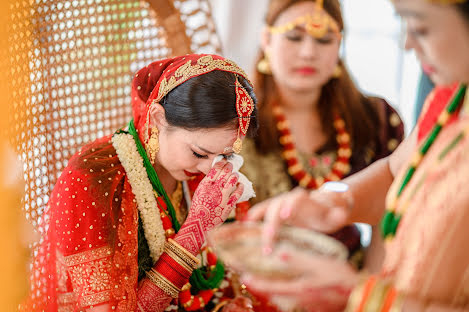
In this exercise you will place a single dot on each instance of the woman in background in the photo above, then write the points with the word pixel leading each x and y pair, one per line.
pixel 426 265
pixel 315 125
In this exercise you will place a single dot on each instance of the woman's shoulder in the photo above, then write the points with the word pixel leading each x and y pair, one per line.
pixel 93 163
pixel 387 113
pixel 391 125
pixel 383 108
pixel 96 153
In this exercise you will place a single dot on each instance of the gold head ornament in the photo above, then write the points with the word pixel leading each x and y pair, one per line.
pixel 443 1
pixel 317 24
pixel 447 1
pixel 244 109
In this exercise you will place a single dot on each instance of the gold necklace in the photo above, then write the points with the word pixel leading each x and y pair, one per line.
pixel 176 196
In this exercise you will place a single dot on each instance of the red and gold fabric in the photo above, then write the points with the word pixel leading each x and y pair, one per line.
pixel 152 83
pixel 88 253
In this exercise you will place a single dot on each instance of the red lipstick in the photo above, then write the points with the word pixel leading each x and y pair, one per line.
pixel 190 174
pixel 306 70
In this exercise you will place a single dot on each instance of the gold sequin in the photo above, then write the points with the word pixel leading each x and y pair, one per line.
pixel 394 120
pixel 392 144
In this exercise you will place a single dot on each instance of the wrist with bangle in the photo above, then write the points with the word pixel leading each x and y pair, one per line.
pixel 173 269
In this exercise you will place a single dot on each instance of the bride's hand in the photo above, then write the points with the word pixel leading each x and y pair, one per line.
pixel 212 203
pixel 216 196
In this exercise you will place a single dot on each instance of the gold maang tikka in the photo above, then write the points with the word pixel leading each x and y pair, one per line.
pixel 244 108
pixel 316 24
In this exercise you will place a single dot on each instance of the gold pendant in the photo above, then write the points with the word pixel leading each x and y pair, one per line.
pixel 238 146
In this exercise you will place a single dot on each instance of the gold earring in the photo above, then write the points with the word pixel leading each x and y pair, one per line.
pixel 337 71
pixel 263 66
pixel 153 145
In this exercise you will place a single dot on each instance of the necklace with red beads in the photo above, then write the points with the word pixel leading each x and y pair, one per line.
pixel 296 170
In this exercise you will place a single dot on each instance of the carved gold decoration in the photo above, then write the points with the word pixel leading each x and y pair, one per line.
pixel 204 65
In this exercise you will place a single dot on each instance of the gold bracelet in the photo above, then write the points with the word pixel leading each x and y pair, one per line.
pixel 161 281
pixel 176 258
pixel 182 253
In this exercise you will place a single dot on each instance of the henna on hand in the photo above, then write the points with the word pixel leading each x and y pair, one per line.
pixel 213 201
pixel 151 298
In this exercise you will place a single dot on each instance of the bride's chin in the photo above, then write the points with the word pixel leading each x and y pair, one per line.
pixel 180 176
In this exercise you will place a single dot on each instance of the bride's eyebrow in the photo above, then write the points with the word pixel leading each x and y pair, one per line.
pixel 204 150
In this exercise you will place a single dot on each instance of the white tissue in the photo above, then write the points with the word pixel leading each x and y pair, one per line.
pixel 237 162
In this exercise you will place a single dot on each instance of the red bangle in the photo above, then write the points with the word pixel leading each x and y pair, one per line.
pixel 175 265
pixel 174 272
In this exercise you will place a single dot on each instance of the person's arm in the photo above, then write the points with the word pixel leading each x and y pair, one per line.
pixel 327 211
pixel 369 187
pixel 413 305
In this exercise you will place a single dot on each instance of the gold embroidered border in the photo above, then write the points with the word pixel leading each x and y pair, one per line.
pixel 182 253
pixel 89 274
pixel 204 65
pixel 66 302
pixel 95 299
pixel 66 298
pixel 66 308
pixel 162 282
pixel 87 256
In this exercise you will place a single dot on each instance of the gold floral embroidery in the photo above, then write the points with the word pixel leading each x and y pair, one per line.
pixel 204 65
pixel 62 275
pixel 88 255
pixel 267 182
pixel 126 254
pixel 89 273
pixel 67 298
pixel 66 302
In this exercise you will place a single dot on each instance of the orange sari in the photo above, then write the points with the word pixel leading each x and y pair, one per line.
pixel 428 258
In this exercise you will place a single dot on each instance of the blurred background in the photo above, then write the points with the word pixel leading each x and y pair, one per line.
pixel 372 47
pixel 66 68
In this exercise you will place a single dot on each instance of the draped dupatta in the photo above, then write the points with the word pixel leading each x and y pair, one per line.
pixel 88 252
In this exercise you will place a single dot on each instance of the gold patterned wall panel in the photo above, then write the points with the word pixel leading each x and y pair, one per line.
pixel 80 56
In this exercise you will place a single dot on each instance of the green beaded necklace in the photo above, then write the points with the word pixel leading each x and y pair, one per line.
pixel 391 219
pixel 155 181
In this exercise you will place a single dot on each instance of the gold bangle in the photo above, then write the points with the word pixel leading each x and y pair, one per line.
pixel 181 262
pixel 182 253
pixel 161 281
pixel 220 305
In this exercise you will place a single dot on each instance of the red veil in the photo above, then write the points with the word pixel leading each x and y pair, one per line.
pixel 88 252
